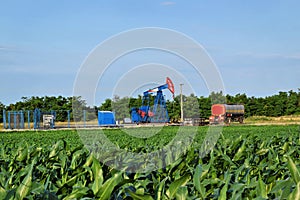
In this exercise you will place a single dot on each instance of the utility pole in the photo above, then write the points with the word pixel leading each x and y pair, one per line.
pixel 181 103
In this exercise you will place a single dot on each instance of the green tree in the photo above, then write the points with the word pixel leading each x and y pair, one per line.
pixel 204 106
pixel 298 105
pixel 191 107
pixel 121 107
pixel 79 105
pixel 135 102
pixel 173 108
pixel 217 97
pixel 251 107
pixel 241 99
pixel 292 103
pixel 2 107
pixel 259 106
pixel 106 105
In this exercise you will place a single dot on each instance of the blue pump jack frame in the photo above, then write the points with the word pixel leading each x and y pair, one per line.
pixel 160 112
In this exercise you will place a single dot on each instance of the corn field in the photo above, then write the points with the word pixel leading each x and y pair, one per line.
pixel 248 162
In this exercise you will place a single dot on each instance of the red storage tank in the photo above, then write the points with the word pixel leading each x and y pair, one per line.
pixel 221 113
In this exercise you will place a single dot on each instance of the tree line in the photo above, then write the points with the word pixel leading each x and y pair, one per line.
pixel 59 104
pixel 281 104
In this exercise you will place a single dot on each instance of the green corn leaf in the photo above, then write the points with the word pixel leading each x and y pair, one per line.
pixel 293 170
pixel 236 142
pixel 237 190
pixel 89 160
pixel 71 181
pixel 138 196
pixel 59 145
pixel 227 158
pixel 205 170
pixel 261 188
pixel 76 156
pixel 11 194
pixel 76 194
pixel 98 176
pixel 262 152
pixel 281 185
pixel 63 163
pixel 182 193
pixel 262 145
pixel 3 154
pixel 238 172
pixel 223 193
pixel 197 182
pixel 22 153
pixel 2 193
pixel 160 189
pixel 37 188
pixel 240 152
pixel 109 185
pixel 296 193
pixel 197 176
pixel 285 147
pixel 177 184
pixel 140 190
pixel 24 187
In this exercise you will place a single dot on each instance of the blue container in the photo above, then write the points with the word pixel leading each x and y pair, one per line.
pixel 106 118
pixel 135 117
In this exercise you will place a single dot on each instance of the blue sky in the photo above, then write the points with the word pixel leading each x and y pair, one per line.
pixel 255 44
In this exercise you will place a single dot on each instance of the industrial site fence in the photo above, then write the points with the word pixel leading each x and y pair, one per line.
pixel 39 119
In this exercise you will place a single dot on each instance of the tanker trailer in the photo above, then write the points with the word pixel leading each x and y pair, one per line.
pixel 224 113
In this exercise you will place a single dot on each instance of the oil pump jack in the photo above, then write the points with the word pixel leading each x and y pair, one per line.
pixel 158 113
